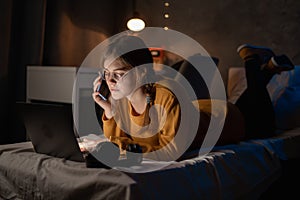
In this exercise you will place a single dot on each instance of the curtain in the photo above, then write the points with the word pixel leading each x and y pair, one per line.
pixel 41 32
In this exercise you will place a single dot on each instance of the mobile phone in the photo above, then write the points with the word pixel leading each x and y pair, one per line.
pixel 103 90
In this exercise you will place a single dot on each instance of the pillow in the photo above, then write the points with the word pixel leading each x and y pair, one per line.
pixel 287 109
pixel 236 83
pixel 190 72
pixel 284 90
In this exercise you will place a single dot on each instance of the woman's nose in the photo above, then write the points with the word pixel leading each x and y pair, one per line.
pixel 110 79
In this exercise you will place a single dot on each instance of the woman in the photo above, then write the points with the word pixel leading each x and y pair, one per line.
pixel 127 83
pixel 122 82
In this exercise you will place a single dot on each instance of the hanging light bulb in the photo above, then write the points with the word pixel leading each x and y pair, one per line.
pixel 136 23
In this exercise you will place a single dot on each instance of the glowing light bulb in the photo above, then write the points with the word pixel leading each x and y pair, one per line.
pixel 136 24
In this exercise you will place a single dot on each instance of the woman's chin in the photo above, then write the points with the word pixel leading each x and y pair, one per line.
pixel 117 97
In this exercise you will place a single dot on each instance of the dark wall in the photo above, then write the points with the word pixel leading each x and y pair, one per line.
pixel 220 26
pixel 74 28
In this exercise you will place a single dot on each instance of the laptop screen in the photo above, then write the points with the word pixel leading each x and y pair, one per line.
pixel 50 128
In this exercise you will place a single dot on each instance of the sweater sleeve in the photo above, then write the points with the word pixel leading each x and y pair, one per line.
pixel 114 133
pixel 170 128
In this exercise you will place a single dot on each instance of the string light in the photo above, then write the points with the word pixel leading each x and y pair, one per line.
pixel 166 14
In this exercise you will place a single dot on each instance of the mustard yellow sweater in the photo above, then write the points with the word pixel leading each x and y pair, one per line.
pixel 233 130
pixel 169 102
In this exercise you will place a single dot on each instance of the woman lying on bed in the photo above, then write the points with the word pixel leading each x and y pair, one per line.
pixel 132 121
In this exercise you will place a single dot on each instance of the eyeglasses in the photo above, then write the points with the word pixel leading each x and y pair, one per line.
pixel 106 75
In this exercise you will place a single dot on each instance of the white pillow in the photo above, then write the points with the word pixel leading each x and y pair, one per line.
pixel 236 83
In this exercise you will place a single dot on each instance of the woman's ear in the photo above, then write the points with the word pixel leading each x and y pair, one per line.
pixel 140 74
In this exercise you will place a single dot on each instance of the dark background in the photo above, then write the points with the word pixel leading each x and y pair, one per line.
pixel 63 32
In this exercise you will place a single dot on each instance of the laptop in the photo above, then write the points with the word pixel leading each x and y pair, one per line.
pixel 50 128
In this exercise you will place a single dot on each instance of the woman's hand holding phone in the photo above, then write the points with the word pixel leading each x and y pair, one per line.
pixel 99 90
pixel 101 96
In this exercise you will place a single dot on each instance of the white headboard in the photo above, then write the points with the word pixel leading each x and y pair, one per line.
pixel 50 83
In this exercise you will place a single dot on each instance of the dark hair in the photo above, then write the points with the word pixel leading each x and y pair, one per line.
pixel 139 56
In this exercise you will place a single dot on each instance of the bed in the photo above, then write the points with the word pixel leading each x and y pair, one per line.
pixel 240 171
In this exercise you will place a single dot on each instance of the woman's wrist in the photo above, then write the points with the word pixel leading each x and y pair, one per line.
pixel 107 115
